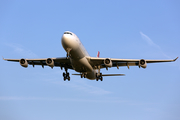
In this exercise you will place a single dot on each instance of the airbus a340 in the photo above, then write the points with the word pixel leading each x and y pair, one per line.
pixel 78 59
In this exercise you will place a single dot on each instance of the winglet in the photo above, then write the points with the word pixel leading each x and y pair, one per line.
pixel 3 58
pixel 176 59
pixel 98 54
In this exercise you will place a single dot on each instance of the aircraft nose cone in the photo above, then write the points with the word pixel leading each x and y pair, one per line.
pixel 65 40
pixel 68 41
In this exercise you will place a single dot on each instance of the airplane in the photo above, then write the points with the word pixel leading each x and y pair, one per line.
pixel 78 59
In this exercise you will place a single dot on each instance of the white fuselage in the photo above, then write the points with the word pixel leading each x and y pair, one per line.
pixel 78 55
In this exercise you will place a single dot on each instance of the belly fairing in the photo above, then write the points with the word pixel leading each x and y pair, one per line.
pixel 91 75
pixel 81 65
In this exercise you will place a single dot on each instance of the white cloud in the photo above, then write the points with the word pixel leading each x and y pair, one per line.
pixel 107 100
pixel 19 49
pixel 74 84
pixel 151 43
pixel 18 98
pixel 82 86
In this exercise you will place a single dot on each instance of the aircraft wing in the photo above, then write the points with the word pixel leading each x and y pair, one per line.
pixel 95 61
pixel 58 62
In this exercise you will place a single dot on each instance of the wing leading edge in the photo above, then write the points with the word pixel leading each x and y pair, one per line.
pixel 58 62
pixel 123 62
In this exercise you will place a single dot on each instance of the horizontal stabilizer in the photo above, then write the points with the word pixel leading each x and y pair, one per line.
pixel 76 74
pixel 113 74
pixel 106 74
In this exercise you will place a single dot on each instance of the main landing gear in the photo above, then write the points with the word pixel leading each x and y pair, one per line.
pixel 99 74
pixel 99 77
pixel 83 75
pixel 66 75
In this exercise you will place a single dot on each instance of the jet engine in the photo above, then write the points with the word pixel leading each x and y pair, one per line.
pixel 50 62
pixel 108 62
pixel 142 63
pixel 23 63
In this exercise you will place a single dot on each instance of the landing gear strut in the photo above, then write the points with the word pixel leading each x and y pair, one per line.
pixel 99 75
pixel 66 75
pixel 83 75
pixel 68 53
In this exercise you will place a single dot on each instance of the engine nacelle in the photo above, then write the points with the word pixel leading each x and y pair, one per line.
pixel 108 62
pixel 142 63
pixel 23 63
pixel 50 62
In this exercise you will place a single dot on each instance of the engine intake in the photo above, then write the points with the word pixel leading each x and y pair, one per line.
pixel 142 63
pixel 108 62
pixel 50 62
pixel 23 62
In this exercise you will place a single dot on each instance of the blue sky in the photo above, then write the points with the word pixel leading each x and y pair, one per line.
pixel 118 29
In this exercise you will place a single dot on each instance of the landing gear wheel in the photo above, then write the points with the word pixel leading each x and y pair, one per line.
pixel 84 75
pixel 101 78
pixel 96 75
pixel 64 78
pixel 64 74
pixel 100 74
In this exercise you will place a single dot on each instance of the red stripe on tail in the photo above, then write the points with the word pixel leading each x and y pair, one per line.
pixel 98 54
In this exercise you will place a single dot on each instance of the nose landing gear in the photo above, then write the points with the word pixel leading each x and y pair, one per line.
pixel 68 52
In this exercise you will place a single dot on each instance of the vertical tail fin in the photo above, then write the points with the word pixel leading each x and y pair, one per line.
pixel 98 54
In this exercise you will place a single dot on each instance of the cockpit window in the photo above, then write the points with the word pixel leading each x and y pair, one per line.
pixel 68 33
